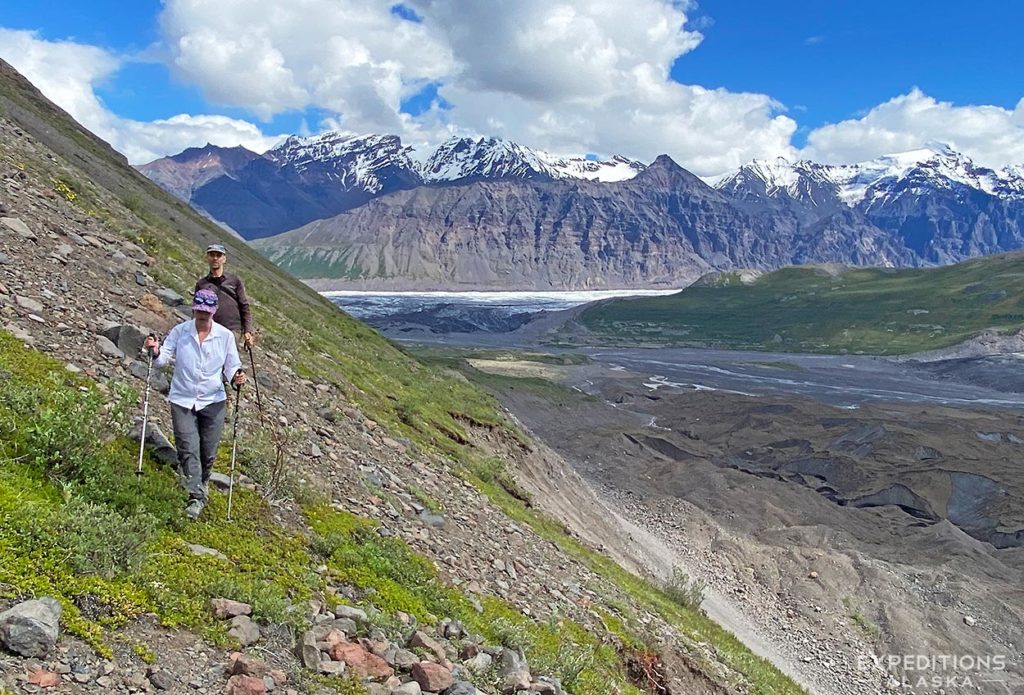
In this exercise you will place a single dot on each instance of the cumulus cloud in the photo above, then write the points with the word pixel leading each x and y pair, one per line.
pixel 356 58
pixel 573 76
pixel 45 64
pixel 990 135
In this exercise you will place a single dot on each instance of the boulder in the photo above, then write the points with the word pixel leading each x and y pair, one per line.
pixel 432 677
pixel 351 613
pixel 462 688
pixel 169 296
pixel 424 641
pixel 29 304
pixel 245 685
pixel 308 652
pixel 108 347
pixel 18 227
pixel 31 628
pixel 513 670
pixel 225 608
pixel 240 664
pixel 244 630
pixel 360 661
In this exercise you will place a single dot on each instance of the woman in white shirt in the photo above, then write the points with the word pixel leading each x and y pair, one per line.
pixel 205 356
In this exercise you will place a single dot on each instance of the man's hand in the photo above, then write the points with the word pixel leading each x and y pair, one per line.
pixel 248 340
pixel 152 343
pixel 239 378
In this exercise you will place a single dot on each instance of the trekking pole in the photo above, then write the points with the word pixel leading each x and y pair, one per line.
pixel 256 382
pixel 234 447
pixel 145 412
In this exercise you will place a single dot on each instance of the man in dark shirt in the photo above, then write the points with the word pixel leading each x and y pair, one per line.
pixel 233 310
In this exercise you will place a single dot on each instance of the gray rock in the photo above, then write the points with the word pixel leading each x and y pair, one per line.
pixel 244 630
pixel 927 453
pixel 203 551
pixel 331 668
pixel 410 688
pixel 513 670
pixel 479 663
pixel 220 481
pixel 141 279
pixel 308 652
pixel 434 520
pixel 31 628
pixel 993 437
pixel 108 348
pixel 128 338
pixel 4 260
pixel 18 227
pixel 169 296
pixel 29 304
pixel 351 613
pixel 462 688
pixel 161 679
pixel 404 659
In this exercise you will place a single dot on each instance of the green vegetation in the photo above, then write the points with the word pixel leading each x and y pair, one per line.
pixel 76 525
pixel 687 592
pixel 867 310
pixel 457 360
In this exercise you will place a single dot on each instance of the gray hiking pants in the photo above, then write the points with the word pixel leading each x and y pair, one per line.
pixel 196 437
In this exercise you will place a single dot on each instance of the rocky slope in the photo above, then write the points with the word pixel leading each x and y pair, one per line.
pixel 664 227
pixel 389 529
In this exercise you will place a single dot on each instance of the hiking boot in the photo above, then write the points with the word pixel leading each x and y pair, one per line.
pixel 194 509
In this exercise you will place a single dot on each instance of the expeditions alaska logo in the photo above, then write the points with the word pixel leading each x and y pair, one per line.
pixel 944 672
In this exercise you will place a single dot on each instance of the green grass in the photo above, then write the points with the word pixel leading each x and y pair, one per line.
pixel 872 311
pixel 76 525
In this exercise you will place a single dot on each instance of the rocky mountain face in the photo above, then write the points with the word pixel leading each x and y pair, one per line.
pixel 306 179
pixel 489 213
pixel 934 201
pixel 188 171
pixel 663 227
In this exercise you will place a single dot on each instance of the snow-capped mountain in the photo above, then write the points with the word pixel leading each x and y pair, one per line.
pixel 937 167
pixel 309 178
pixel 462 159
pixel 354 162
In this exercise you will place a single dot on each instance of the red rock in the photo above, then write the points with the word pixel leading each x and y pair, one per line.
pixel 44 679
pixel 245 685
pixel 361 661
pixel 225 608
pixel 335 637
pixel 432 677
pixel 244 665
pixel 279 677
pixel 424 641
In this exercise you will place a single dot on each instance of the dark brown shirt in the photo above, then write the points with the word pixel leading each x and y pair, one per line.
pixel 232 303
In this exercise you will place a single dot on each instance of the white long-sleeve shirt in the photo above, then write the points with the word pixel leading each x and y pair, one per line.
pixel 200 370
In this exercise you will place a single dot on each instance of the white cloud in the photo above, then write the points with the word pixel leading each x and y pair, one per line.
pixel 990 135
pixel 570 75
pixel 352 57
pixel 46 65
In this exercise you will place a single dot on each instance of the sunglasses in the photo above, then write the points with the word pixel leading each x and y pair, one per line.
pixel 207 302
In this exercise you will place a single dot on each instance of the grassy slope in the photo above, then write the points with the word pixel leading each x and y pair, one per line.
pixel 868 310
pixel 44 412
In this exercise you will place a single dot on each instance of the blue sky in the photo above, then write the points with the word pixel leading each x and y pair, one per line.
pixel 761 79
